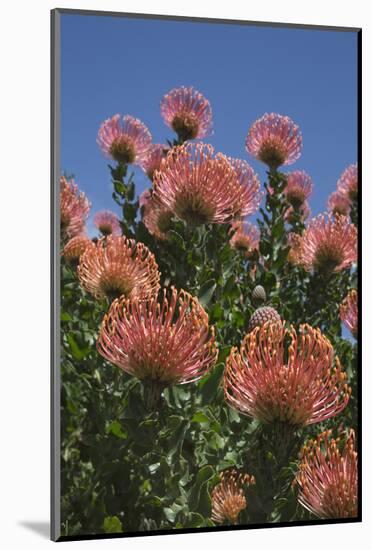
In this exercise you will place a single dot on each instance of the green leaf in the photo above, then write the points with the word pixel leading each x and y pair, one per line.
pixel 115 429
pixel 112 524
pixel 210 384
pixel 200 418
pixel 200 487
pixel 206 292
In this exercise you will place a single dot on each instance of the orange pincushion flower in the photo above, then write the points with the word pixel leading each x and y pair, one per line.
pixel 300 385
pixel 75 247
pixel 328 477
pixel 250 182
pixel 228 498
pixel 156 219
pixel 187 112
pixel 327 244
pixel 107 222
pixel 119 266
pixel 349 312
pixel 74 209
pixel 200 188
pixel 245 238
pixel 165 341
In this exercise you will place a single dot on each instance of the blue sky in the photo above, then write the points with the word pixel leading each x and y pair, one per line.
pixel 117 65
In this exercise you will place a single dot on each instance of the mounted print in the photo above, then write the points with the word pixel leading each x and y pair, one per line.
pixel 205 212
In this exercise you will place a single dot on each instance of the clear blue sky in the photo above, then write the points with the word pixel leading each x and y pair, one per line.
pixel 117 65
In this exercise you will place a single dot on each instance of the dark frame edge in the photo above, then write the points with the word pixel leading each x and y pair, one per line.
pixel 197 19
pixel 55 492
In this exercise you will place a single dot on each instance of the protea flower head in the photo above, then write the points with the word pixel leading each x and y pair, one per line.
pixel 152 161
pixel 261 316
pixel 145 197
pixel 74 209
pixel 339 203
pixel 108 223
pixel 245 238
pixel 298 189
pixel 119 266
pixel 228 497
pixel 275 140
pixel 328 244
pixel 348 182
pixel 349 312
pixel 187 112
pixel 75 247
pixel 250 182
pixel 281 376
pixel 303 211
pixel 162 341
pixel 127 141
pixel 157 219
pixel 328 476
pixel 199 187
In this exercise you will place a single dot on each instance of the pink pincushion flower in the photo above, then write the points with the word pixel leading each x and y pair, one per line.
pixel 326 245
pixel 250 182
pixel 349 312
pixel 348 182
pixel 328 476
pixel 298 189
pixel 75 247
pixel 119 266
pixel 157 219
pixel 304 212
pixel 127 141
pixel 152 161
pixel 275 140
pixel 74 209
pixel 162 341
pixel 228 497
pixel 275 381
pixel 339 203
pixel 200 188
pixel 245 238
pixel 108 223
pixel 145 197
pixel 187 112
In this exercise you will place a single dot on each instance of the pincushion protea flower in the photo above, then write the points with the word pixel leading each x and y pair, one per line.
pixel 145 197
pixel 228 498
pixel 245 238
pixel 119 266
pixel 127 141
pixel 152 161
pixel 250 182
pixel 338 203
pixel 107 222
pixel 349 312
pixel 328 477
pixel 303 211
pixel 261 316
pixel 348 182
pixel 199 187
pixel 299 187
pixel 297 386
pixel 275 140
pixel 74 209
pixel 187 112
pixel 157 219
pixel 163 341
pixel 326 245
pixel 75 247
